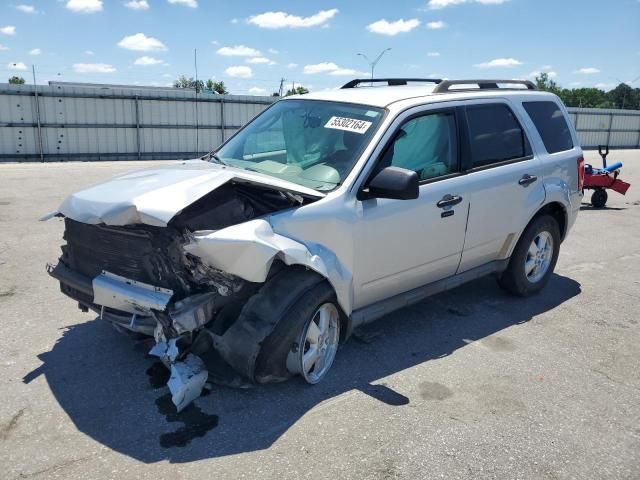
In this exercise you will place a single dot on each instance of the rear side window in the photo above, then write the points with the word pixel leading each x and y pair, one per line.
pixel 495 134
pixel 551 125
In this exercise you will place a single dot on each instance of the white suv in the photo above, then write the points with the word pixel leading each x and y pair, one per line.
pixel 325 212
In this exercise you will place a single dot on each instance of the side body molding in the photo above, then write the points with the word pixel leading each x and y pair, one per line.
pixel 247 250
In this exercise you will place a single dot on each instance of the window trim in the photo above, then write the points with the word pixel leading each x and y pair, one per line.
pixel 456 110
pixel 468 158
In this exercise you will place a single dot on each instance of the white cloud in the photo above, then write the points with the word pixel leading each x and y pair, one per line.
pixel 93 68
pixel 439 4
pixel 273 51
pixel 292 65
pixel 384 27
pixel 433 54
pixel 141 43
pixel 499 62
pixel 605 86
pixel 346 72
pixel 320 68
pixel 436 25
pixel 89 52
pixel 257 90
pixel 84 6
pixel 587 70
pixel 27 8
pixel 146 61
pixel 8 30
pixel 2 47
pixel 234 21
pixel 286 20
pixel 137 5
pixel 186 3
pixel 575 84
pixel 35 51
pixel 17 66
pixel 238 51
pixel 258 60
pixel 239 71
pixel 330 68
pixel 215 42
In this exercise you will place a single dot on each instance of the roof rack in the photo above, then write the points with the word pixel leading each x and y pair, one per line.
pixel 392 82
pixel 445 85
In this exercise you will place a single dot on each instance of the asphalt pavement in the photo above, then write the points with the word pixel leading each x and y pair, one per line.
pixel 471 383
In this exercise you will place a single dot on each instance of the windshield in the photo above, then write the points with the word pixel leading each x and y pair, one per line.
pixel 311 143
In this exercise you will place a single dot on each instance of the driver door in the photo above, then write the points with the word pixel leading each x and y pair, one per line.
pixel 404 244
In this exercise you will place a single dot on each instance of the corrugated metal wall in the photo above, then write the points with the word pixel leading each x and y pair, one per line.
pixel 616 128
pixel 109 123
pixel 112 123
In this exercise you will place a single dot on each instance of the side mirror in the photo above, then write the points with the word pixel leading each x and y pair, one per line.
pixel 392 182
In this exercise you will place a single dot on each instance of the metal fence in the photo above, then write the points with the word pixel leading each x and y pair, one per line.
pixel 70 122
pixel 61 122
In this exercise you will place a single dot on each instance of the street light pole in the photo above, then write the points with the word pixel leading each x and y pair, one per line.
pixel 373 63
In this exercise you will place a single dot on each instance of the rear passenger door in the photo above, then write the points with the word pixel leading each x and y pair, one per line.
pixel 504 181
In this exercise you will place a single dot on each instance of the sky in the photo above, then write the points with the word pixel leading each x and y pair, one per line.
pixel 252 45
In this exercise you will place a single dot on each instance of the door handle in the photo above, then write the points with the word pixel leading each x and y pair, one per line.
pixel 527 180
pixel 449 200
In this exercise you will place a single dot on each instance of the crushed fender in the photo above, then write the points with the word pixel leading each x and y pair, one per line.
pixel 249 249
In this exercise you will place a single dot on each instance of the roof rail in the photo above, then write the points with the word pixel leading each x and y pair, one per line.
pixel 445 85
pixel 392 82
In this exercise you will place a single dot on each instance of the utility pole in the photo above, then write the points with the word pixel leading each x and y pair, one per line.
pixel 35 94
pixel 282 80
pixel 372 64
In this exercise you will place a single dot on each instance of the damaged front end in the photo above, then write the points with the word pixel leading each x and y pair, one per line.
pixel 151 280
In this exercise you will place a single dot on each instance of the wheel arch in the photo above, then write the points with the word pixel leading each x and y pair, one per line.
pixel 556 210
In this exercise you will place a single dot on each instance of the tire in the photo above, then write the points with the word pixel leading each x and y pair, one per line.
pixel 599 198
pixel 522 280
pixel 282 351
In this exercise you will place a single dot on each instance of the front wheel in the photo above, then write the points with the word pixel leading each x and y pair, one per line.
pixel 534 258
pixel 313 353
pixel 305 340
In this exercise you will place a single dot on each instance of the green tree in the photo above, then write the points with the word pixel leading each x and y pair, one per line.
pixel 297 91
pixel 545 83
pixel 15 80
pixel 217 87
pixel 184 82
pixel 623 96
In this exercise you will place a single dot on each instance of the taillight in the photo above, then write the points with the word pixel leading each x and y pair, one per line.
pixel 580 173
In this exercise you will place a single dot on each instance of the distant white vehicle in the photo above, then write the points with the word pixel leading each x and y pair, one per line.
pixel 325 212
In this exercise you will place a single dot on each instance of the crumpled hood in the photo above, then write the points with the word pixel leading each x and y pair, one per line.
pixel 154 196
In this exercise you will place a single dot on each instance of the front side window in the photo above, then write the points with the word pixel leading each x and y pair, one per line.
pixel 427 145
pixel 495 134
pixel 551 125
pixel 312 143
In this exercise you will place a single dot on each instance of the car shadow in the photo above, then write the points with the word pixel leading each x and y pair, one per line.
pixel 588 206
pixel 98 376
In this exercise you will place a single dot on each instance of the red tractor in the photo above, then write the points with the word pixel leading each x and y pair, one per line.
pixel 602 179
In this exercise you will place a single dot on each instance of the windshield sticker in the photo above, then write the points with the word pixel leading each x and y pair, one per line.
pixel 348 124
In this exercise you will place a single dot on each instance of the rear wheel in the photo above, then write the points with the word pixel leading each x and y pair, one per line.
pixel 599 198
pixel 533 259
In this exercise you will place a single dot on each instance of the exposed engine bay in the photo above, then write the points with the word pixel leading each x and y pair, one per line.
pixel 145 279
